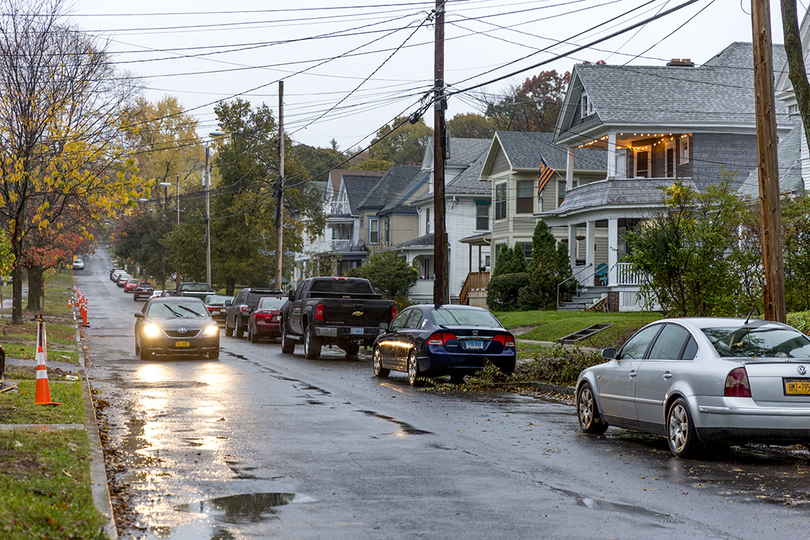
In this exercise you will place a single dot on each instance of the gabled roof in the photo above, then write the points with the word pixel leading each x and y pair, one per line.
pixel 422 242
pixel 718 94
pixel 790 166
pixel 336 174
pixel 357 188
pixel 398 203
pixel 463 151
pixel 391 186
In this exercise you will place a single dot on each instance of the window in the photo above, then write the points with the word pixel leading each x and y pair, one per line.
pixel 361 222
pixel 527 249
pixel 500 201
pixel 638 344
pixel 670 160
pixel 373 231
pixel 387 229
pixel 586 107
pixel 560 192
pixel 684 143
pixel 525 197
pixel 793 109
pixel 427 220
pixel 482 215
pixel 643 162
pixel 669 343
pixel 414 319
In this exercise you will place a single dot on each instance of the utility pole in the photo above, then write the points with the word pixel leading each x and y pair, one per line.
pixel 770 216
pixel 280 188
pixel 207 218
pixel 439 147
pixel 177 204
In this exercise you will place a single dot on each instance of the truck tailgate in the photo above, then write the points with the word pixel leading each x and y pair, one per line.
pixel 356 313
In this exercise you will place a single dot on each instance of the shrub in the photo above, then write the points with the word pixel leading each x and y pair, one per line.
pixel 503 291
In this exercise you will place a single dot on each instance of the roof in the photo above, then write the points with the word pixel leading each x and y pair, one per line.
pixel 391 186
pixel 421 242
pixel 618 192
pixel 719 92
pixel 467 182
pixel 357 188
pixel 397 202
pixel 790 165
pixel 463 151
pixel 524 149
pixel 336 174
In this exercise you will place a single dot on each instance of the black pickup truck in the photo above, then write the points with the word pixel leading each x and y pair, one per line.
pixel 194 288
pixel 333 311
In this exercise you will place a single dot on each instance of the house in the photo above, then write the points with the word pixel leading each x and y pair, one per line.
pixel 511 169
pixel 655 124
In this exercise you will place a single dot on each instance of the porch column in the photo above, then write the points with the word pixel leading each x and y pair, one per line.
pixel 611 155
pixel 613 251
pixel 572 246
pixel 569 172
pixel 590 241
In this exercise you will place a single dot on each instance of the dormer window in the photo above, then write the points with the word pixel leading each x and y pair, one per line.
pixel 586 107
pixel 793 109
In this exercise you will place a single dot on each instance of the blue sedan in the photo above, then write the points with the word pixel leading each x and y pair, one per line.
pixel 455 340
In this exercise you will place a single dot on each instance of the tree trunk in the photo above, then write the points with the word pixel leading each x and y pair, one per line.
pixel 36 287
pixel 797 73
pixel 230 285
pixel 17 279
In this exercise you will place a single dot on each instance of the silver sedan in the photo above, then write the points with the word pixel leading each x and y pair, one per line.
pixel 698 380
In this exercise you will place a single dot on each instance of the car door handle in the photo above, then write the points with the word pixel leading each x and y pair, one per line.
pixel 632 374
pixel 667 375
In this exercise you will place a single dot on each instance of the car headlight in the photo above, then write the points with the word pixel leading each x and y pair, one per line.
pixel 151 330
pixel 211 330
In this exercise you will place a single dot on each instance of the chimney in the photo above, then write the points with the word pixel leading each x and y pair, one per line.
pixel 680 62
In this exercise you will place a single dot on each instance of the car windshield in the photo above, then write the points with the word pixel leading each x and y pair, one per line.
pixel 464 317
pixel 196 287
pixel 758 342
pixel 342 286
pixel 216 299
pixel 177 309
pixel 271 302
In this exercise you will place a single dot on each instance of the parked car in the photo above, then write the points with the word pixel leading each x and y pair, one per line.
pixel 194 289
pixel 115 273
pixel 78 264
pixel 130 284
pixel 175 326
pixel 143 290
pixel 236 317
pixel 340 311
pixel 121 280
pixel 434 340
pixel 698 380
pixel 264 322
pixel 217 305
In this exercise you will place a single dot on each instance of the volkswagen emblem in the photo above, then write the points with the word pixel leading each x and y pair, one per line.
pixel 802 370
pixel 182 330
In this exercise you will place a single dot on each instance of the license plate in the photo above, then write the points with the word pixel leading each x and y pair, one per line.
pixel 474 344
pixel 182 344
pixel 357 331
pixel 223 310
pixel 797 387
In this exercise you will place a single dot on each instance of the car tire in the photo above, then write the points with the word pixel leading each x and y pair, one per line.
pixel 681 434
pixel 228 329
pixel 379 370
pixel 239 327
pixel 144 354
pixel 413 370
pixel 352 350
pixel 137 348
pixel 251 334
pixel 287 345
pixel 213 355
pixel 590 421
pixel 312 345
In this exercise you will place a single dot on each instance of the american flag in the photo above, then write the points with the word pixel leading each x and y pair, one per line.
pixel 544 176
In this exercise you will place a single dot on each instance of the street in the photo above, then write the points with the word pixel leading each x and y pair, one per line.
pixel 261 444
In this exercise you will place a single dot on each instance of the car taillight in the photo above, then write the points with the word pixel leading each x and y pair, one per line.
pixel 393 313
pixel 262 314
pixel 319 313
pixel 212 308
pixel 503 339
pixel 440 338
pixel 737 383
pixel 244 309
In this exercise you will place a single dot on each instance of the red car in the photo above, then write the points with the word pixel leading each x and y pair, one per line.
pixel 130 285
pixel 143 290
pixel 264 321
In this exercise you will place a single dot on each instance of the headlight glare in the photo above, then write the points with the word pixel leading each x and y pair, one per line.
pixel 151 330
pixel 211 330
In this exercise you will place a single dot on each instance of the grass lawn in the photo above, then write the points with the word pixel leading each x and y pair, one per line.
pixel 45 486
pixel 552 325
pixel 19 408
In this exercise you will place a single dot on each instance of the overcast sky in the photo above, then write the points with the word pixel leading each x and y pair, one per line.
pixel 351 67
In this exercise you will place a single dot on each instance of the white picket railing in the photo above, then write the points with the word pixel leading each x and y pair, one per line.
pixel 626 274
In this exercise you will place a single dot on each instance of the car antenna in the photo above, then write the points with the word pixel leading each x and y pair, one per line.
pixel 748 318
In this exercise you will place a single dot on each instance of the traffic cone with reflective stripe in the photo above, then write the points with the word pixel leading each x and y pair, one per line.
pixel 43 391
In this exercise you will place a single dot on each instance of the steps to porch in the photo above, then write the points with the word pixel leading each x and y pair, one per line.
pixel 585 333
pixel 587 298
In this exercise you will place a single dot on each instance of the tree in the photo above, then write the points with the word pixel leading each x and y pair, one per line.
pixel 61 113
pixel 550 266
pixel 797 73
pixel 141 239
pixel 471 125
pixel 503 261
pixel 699 256
pixel 404 145
pixel 531 106
pixel 796 250
pixel 390 275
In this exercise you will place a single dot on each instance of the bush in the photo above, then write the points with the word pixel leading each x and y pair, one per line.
pixel 800 320
pixel 503 291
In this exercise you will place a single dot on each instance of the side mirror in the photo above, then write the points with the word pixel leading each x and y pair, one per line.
pixel 139 315
pixel 609 353
pixel 291 294
pixel 384 326
pixel 229 301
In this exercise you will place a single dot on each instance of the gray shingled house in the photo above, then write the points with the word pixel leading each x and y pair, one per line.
pixel 655 123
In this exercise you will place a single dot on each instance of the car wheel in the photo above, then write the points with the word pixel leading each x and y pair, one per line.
pixel 239 328
pixel 413 370
pixel 287 345
pixel 588 412
pixel 352 350
pixel 144 354
pixel 137 348
pixel 312 345
pixel 213 355
pixel 681 430
pixel 251 334
pixel 228 329
pixel 135 298
pixel 379 370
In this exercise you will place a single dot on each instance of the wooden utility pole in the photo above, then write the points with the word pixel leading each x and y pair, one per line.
pixel 439 148
pixel 772 260
pixel 280 188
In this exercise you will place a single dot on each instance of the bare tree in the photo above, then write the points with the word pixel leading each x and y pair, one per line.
pixel 794 51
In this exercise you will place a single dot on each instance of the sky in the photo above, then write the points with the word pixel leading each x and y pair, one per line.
pixel 351 67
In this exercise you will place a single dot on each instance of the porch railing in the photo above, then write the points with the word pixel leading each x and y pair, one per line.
pixel 574 276
pixel 476 281
pixel 627 274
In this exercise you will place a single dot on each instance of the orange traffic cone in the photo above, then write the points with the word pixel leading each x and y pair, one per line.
pixel 43 391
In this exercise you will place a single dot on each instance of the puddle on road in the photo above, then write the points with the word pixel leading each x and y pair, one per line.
pixel 406 428
pixel 226 517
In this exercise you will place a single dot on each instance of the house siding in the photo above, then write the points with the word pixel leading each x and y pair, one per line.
pixel 500 164
pixel 403 228
pixel 737 153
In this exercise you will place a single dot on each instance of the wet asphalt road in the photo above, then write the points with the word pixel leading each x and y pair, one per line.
pixel 265 445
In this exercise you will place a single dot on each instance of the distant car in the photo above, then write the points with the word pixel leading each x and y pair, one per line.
pixel 130 285
pixel 265 320
pixel 236 318
pixel 175 326
pixel 121 280
pixel 78 264
pixel 697 380
pixel 143 290
pixel 114 273
pixel 430 340
pixel 217 305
